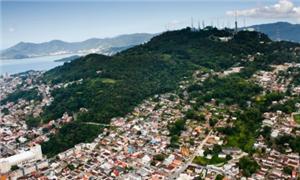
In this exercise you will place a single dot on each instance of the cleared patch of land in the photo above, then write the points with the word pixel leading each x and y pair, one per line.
pixel 297 118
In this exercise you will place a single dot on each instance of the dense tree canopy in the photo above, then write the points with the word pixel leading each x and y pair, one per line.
pixel 248 166
pixel 68 136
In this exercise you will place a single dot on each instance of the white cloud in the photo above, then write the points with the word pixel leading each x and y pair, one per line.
pixel 11 29
pixel 282 9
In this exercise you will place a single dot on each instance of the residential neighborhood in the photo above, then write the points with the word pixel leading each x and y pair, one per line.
pixel 142 145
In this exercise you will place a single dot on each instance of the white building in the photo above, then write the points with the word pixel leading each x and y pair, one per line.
pixel 35 153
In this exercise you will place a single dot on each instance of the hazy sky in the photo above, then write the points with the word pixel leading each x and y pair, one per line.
pixel 40 21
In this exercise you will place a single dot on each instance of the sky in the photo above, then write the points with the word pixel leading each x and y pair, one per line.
pixel 40 21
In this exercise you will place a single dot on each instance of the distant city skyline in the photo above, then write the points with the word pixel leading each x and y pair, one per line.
pixel 71 21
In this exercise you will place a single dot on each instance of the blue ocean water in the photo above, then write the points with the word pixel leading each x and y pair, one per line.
pixel 13 66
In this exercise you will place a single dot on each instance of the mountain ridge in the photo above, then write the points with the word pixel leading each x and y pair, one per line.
pixel 107 46
pixel 111 45
pixel 280 30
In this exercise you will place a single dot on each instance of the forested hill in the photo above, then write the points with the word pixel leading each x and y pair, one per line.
pixel 184 45
pixel 113 86
pixel 280 31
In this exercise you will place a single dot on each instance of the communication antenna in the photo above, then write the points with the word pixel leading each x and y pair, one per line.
pixel 218 23
pixel 203 24
pixel 278 34
pixel 228 24
pixel 199 28
pixel 258 30
pixel 166 27
pixel 192 23
pixel 235 23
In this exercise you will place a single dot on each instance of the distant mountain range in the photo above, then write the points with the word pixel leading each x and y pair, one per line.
pixel 280 31
pixel 106 46
pixel 110 46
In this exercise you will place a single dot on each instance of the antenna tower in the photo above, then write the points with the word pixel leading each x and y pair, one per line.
pixel 235 23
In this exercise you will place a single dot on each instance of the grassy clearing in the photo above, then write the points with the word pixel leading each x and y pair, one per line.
pixel 297 118
pixel 108 81
pixel 204 161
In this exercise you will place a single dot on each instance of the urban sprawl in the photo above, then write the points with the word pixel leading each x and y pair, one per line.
pixel 139 146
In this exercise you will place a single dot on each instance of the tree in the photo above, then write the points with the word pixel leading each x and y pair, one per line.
pixel 266 132
pixel 5 111
pixel 287 170
pixel 219 177
pixel 248 166
pixel 177 127
pixel 174 141
pixel 32 121
pixel 217 149
pixel 213 122
pixel 192 114
pixel 14 167
pixel 228 157
pixel 71 167
pixel 159 157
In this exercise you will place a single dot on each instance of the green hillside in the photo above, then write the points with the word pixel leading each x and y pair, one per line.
pixel 113 86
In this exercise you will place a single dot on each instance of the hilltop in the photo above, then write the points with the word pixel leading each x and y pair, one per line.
pixel 109 46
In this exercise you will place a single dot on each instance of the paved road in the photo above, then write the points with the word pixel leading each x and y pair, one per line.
pixel 97 124
pixel 212 168
pixel 175 174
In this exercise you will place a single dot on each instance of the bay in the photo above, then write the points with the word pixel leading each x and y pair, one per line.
pixel 13 66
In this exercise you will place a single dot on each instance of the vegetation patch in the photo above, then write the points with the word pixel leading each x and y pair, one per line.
pixel 213 161
pixel 69 135
pixel 32 121
pixel 297 118
pixel 248 166
pixel 28 95
pixel 108 81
